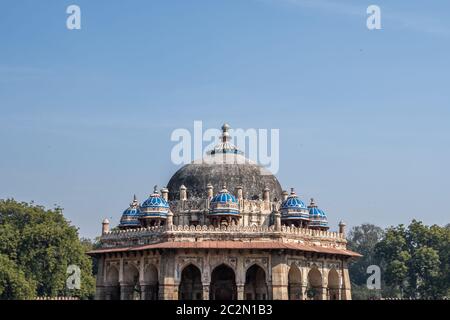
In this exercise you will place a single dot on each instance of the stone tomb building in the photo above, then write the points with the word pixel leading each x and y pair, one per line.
pixel 223 229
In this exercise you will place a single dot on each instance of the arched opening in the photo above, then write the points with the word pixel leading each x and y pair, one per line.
pixel 130 289
pixel 153 222
pixel 150 289
pixel 223 284
pixel 112 290
pixel 255 284
pixel 295 283
pixel 333 285
pixel 314 290
pixel 191 287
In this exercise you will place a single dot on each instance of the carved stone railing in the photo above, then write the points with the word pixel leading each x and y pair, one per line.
pixel 158 231
pixel 136 232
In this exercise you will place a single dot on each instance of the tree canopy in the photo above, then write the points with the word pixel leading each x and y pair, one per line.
pixel 36 247
pixel 414 260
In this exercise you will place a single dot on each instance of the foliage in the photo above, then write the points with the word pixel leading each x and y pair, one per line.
pixel 39 245
pixel 13 282
pixel 415 260
pixel 363 239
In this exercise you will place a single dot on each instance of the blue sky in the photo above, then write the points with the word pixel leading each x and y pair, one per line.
pixel 86 115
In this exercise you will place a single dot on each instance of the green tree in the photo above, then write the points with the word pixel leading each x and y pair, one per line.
pixel 415 260
pixel 13 282
pixel 40 244
pixel 363 239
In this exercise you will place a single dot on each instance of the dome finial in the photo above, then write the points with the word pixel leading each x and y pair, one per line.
pixel 155 189
pixel 292 191
pixel 134 203
pixel 225 134
pixel 225 127
pixel 225 146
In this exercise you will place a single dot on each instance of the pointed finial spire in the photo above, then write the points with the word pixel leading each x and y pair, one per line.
pixel 312 204
pixel 225 146
pixel 134 203
pixel 225 127
pixel 155 189
pixel 292 191
pixel 225 134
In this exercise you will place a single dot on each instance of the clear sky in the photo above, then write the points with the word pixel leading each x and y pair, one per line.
pixel 364 116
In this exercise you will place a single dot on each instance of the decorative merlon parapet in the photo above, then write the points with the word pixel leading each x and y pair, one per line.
pixel 157 231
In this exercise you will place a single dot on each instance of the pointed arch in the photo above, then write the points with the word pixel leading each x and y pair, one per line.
pixel 112 290
pixel 223 283
pixel 151 286
pixel 190 287
pixel 314 289
pixel 294 283
pixel 333 284
pixel 130 288
pixel 255 283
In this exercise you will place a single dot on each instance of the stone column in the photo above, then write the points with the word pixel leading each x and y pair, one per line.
pixel 168 287
pixel 277 221
pixel 209 191
pixel 238 192
pixel 342 228
pixel 346 291
pixel 121 270
pixel 183 193
pixel 324 292
pixel 303 295
pixel 169 220
pixel 105 226
pixel 165 193
pixel 240 291
pixel 205 291
pixel 280 272
pixel 168 292
pixel 304 271
pixel 270 290
pixel 101 273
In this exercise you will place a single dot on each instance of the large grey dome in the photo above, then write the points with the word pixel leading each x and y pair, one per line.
pixel 251 177
pixel 224 165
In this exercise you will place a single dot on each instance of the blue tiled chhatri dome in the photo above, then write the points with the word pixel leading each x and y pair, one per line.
pixel 224 203
pixel 130 217
pixel 154 206
pixel 293 209
pixel 317 217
